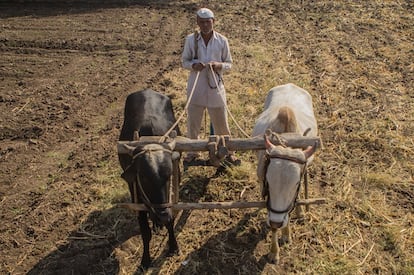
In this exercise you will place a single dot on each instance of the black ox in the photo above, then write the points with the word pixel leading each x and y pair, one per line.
pixel 148 168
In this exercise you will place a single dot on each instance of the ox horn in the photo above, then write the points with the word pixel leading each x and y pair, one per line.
pixel 306 132
pixel 130 149
pixel 136 134
pixel 268 144
pixel 310 150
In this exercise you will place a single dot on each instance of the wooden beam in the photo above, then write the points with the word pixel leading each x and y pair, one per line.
pixel 184 144
pixel 218 205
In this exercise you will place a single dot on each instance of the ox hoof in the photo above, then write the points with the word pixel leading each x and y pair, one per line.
pixel 173 249
pixel 173 252
pixel 145 265
pixel 273 259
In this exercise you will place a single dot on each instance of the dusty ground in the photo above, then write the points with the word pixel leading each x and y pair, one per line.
pixel 66 69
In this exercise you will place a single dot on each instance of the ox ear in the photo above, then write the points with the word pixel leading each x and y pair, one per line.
pixel 130 149
pixel 129 174
pixel 171 145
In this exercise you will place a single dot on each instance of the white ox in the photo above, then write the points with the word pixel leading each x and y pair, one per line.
pixel 288 108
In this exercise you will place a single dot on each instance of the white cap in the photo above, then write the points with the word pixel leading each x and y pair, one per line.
pixel 205 13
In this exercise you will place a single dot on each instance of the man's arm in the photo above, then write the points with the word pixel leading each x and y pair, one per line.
pixel 226 57
pixel 187 60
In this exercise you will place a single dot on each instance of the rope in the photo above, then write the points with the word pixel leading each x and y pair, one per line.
pixel 225 104
pixel 165 136
pixel 279 139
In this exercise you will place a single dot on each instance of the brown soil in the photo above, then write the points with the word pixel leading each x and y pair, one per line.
pixel 66 68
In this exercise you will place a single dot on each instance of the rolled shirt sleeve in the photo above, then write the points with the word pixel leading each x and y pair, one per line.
pixel 187 59
pixel 226 56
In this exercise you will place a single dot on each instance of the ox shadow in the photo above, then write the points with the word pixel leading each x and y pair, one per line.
pixel 90 248
pixel 230 252
pixel 192 191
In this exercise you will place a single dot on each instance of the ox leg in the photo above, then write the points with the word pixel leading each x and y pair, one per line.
pixel 146 238
pixel 300 216
pixel 131 191
pixel 299 213
pixel 274 248
pixel 286 235
pixel 172 242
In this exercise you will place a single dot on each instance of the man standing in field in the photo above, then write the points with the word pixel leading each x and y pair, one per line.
pixel 207 52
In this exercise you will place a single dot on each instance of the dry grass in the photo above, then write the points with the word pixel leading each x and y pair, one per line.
pixel 354 57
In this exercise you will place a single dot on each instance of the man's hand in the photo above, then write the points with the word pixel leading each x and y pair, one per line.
pixel 198 66
pixel 217 66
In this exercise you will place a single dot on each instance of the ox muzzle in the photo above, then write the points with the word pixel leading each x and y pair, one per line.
pixel 161 216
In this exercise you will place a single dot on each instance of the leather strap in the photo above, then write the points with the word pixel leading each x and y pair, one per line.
pixel 196 45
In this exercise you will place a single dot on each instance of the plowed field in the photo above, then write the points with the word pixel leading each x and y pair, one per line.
pixel 66 68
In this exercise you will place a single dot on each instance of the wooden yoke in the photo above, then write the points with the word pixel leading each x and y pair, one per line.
pixel 212 149
pixel 219 147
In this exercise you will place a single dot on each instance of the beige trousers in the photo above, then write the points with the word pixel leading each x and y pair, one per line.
pixel 218 117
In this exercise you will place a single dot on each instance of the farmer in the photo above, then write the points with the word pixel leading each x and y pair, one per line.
pixel 208 53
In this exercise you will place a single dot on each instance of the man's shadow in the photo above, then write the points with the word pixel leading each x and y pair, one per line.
pixel 89 248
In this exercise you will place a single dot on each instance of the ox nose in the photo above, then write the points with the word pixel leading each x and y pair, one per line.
pixel 275 225
pixel 164 216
